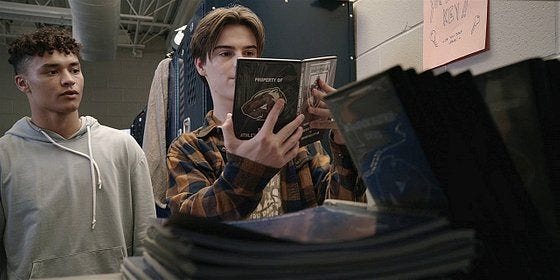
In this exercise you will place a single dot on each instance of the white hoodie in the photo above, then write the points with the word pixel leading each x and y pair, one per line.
pixel 71 206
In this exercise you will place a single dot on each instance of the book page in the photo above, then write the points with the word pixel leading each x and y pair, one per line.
pixel 313 70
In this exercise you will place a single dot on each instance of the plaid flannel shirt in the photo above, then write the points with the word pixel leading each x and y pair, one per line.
pixel 203 183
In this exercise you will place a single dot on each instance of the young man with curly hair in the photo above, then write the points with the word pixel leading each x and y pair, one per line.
pixel 213 174
pixel 75 196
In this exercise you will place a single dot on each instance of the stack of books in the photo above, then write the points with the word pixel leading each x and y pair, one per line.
pixel 328 242
pixel 481 150
pixel 463 180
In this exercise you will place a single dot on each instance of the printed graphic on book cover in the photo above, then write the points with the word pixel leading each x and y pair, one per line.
pixel 261 82
pixel 322 228
pixel 328 225
pixel 383 145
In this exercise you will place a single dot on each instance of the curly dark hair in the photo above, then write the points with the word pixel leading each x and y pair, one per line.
pixel 44 39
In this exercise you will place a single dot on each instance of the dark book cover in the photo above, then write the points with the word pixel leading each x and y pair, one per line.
pixel 454 162
pixel 383 143
pixel 158 269
pixel 513 94
pixel 260 82
pixel 436 126
pixel 134 267
pixel 550 105
pixel 518 237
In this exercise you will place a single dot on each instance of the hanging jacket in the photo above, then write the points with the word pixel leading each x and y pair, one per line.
pixel 154 131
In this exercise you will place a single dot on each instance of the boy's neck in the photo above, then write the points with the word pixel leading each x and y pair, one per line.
pixel 220 110
pixel 64 125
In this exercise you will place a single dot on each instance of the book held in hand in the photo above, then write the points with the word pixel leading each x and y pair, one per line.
pixel 260 82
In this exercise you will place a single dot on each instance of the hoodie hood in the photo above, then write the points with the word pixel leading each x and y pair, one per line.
pixel 24 128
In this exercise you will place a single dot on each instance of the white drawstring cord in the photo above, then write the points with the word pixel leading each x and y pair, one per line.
pixel 93 187
pixel 94 170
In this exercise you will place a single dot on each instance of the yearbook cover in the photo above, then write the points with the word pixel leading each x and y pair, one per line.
pixel 516 96
pixel 553 129
pixel 262 81
pixel 383 143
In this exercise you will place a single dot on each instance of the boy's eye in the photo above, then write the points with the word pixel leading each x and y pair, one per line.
pixel 250 53
pixel 75 71
pixel 53 72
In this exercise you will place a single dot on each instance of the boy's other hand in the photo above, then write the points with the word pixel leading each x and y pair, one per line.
pixel 322 113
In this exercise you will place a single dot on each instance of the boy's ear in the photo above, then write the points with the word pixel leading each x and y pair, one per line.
pixel 21 83
pixel 199 66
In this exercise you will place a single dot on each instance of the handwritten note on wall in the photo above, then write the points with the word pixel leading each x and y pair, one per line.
pixel 453 29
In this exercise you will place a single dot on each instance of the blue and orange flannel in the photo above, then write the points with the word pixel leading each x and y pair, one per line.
pixel 202 183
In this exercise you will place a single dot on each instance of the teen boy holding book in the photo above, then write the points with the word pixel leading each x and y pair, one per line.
pixel 213 174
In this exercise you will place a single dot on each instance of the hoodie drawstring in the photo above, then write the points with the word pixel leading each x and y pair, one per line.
pixel 94 171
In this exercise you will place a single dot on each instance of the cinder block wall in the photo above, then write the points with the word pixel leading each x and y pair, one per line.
pixel 114 93
pixel 389 32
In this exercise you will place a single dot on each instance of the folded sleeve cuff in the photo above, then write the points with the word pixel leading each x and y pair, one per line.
pixel 249 176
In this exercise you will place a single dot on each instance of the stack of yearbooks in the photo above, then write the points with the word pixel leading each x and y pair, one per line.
pixel 463 170
pixel 328 242
pixel 481 150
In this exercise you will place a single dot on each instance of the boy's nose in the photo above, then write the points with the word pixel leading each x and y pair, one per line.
pixel 68 79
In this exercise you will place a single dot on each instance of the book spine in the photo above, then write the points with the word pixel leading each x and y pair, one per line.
pixel 302 84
